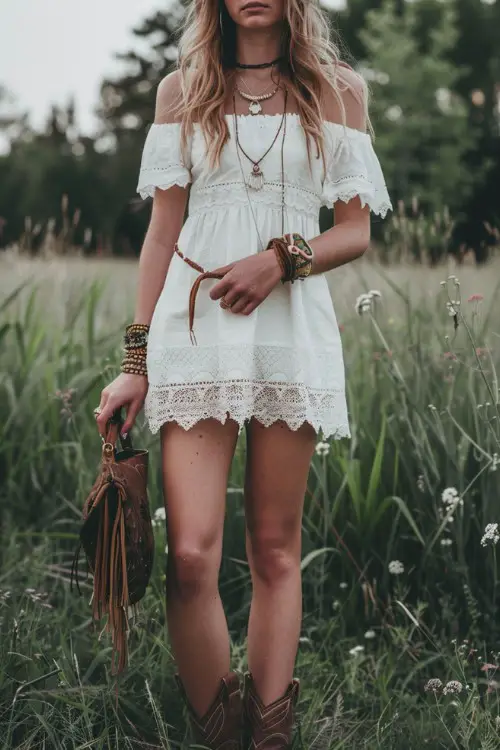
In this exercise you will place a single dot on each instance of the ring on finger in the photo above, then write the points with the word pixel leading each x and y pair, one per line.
pixel 97 410
pixel 226 305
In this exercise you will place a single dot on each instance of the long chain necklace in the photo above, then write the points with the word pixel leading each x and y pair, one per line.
pixel 235 118
pixel 256 177
pixel 255 107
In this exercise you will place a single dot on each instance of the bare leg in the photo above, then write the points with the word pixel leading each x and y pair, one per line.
pixel 278 462
pixel 196 463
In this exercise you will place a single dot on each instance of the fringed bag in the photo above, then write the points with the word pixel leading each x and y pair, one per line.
pixel 117 537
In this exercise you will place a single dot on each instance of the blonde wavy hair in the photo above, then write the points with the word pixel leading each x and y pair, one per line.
pixel 311 62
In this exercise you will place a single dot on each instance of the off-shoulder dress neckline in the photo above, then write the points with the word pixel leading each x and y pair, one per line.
pixel 263 118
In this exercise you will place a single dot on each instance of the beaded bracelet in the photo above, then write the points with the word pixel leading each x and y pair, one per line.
pixel 136 335
pixel 294 256
pixel 135 347
pixel 134 365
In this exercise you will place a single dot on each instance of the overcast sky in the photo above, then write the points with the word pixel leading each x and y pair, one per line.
pixel 50 49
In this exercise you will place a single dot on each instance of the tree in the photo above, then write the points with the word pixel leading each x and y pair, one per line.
pixel 423 132
pixel 126 109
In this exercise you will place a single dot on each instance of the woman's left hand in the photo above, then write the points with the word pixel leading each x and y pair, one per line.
pixel 247 282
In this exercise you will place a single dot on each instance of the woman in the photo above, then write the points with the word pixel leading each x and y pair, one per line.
pixel 264 125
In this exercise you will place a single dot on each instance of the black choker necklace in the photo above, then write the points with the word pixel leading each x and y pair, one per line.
pixel 259 65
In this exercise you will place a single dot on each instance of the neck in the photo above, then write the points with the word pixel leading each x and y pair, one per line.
pixel 258 46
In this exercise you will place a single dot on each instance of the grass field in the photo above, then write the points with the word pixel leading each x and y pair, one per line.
pixel 400 646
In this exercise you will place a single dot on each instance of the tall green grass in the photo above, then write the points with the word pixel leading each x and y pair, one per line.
pixel 424 407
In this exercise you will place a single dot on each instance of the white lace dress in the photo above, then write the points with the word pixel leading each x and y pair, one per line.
pixel 284 361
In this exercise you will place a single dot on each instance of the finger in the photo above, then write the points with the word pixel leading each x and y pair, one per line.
pixel 132 412
pixel 102 405
pixel 220 289
pixel 239 305
pixel 104 398
pixel 105 415
pixel 224 269
pixel 235 294
pixel 249 308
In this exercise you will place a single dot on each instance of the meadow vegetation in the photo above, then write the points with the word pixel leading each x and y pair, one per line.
pixel 400 641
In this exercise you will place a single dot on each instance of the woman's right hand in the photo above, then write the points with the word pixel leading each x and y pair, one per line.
pixel 125 390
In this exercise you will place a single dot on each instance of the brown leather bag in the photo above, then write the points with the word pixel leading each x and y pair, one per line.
pixel 117 536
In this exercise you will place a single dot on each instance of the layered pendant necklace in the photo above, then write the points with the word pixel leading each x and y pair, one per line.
pixel 255 179
pixel 255 107
pixel 282 171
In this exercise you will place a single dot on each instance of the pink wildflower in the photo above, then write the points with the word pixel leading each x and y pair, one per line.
pixel 488 667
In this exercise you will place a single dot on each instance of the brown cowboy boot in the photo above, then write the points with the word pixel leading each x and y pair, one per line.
pixel 269 727
pixel 220 728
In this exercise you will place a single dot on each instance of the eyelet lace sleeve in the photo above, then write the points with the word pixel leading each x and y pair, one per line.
pixel 162 164
pixel 352 168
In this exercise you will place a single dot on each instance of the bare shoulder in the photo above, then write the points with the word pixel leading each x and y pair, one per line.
pixel 354 94
pixel 168 97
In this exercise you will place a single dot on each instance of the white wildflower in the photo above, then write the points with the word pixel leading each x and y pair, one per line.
pixel 490 534
pixel 433 686
pixel 495 462
pixel 453 687
pixel 336 605
pixel 396 567
pixel 364 302
pixel 451 499
pixel 420 483
pixel 449 496
pixel 322 449
pixel 453 307
pixel 355 650
pixel 446 541
pixel 343 585
pixel 370 634
pixel 159 516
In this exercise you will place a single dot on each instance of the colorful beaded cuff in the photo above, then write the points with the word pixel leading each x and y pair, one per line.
pixel 136 336
pixel 294 256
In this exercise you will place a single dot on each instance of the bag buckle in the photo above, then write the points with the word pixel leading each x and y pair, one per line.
pixel 108 450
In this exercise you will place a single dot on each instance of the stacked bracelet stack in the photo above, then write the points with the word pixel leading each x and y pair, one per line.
pixel 135 347
pixel 294 255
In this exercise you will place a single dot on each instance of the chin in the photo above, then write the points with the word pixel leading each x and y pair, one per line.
pixel 257 23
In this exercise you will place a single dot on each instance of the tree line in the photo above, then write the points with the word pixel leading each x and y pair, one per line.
pixel 433 67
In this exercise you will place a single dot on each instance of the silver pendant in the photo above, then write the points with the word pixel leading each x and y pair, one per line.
pixel 254 108
pixel 256 178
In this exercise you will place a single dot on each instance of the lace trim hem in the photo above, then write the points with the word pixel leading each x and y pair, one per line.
pixel 151 178
pixel 291 403
pixel 369 194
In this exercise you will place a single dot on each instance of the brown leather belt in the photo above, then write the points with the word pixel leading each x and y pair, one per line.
pixel 194 289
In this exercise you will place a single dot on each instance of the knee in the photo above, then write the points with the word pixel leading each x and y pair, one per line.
pixel 274 558
pixel 192 570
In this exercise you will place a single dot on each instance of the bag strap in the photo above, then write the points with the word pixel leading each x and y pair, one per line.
pixel 113 431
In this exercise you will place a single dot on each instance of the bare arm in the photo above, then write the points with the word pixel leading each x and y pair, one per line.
pixel 249 281
pixel 350 236
pixel 167 216
pixel 166 221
